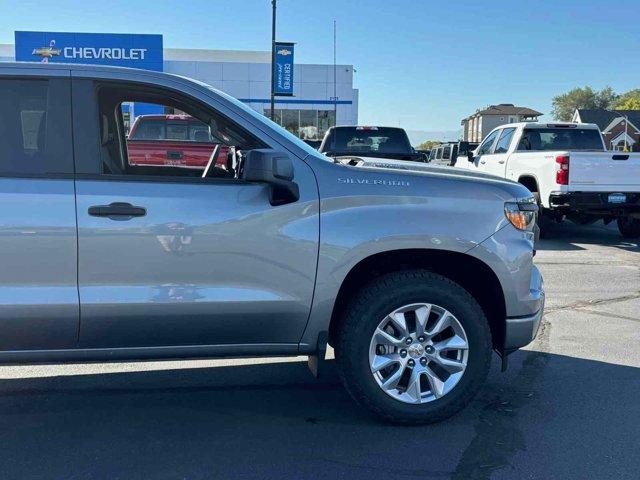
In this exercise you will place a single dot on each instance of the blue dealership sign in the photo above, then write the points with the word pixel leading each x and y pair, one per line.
pixel 283 69
pixel 123 50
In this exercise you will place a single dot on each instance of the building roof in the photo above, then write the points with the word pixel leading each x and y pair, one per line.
pixel 506 109
pixel 603 117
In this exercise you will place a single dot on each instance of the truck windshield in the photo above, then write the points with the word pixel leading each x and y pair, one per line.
pixel 544 139
pixel 367 140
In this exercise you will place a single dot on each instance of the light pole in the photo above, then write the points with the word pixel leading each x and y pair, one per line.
pixel 273 57
pixel 335 94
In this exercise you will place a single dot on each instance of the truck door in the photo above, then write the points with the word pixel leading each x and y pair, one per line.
pixel 484 152
pixel 496 161
pixel 168 258
pixel 38 281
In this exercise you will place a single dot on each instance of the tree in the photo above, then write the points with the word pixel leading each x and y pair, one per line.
pixel 428 145
pixel 564 105
pixel 628 101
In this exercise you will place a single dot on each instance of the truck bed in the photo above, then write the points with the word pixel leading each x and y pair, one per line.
pixel 167 153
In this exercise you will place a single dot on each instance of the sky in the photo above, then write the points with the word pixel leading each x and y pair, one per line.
pixel 422 65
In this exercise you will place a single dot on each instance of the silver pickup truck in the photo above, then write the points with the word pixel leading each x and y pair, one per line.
pixel 413 274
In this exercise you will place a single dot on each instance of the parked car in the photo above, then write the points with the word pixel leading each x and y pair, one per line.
pixel 447 153
pixel 369 141
pixel 443 154
pixel 461 149
pixel 172 140
pixel 425 154
pixel 567 168
pixel 410 277
pixel 438 152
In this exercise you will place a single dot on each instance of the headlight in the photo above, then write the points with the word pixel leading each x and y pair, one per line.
pixel 521 214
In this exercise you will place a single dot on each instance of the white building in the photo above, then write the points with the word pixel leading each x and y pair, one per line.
pixel 246 76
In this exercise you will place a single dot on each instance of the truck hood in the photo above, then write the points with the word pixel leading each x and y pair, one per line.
pixel 417 167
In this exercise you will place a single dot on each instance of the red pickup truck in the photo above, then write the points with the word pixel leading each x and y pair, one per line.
pixel 172 140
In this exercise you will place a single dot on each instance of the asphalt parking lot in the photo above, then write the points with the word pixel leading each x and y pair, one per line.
pixel 568 407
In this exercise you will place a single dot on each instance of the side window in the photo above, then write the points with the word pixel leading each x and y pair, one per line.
pixel 486 146
pixel 181 137
pixel 446 153
pixel 504 141
pixel 149 129
pixel 35 127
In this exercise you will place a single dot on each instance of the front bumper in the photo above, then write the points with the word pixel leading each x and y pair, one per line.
pixel 595 203
pixel 520 331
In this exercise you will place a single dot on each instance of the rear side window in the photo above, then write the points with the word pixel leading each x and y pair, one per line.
pixel 35 127
pixel 504 141
pixel 446 153
pixel 545 139
pixel 149 129
pixel 153 129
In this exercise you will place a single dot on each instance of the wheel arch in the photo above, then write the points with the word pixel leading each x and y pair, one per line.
pixel 469 272
pixel 530 182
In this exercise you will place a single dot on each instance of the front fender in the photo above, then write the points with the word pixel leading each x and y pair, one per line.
pixel 355 227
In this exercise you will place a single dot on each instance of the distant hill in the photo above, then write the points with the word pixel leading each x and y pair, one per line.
pixel 416 137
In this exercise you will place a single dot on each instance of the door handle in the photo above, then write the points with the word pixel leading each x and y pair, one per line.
pixel 500 162
pixel 482 161
pixel 174 155
pixel 117 211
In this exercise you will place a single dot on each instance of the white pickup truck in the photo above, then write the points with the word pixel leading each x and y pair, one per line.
pixel 568 169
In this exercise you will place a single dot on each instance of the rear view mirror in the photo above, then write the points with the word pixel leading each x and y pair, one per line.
pixel 274 168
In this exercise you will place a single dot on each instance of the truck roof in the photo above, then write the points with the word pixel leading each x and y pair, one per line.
pixel 550 125
pixel 103 71
pixel 365 127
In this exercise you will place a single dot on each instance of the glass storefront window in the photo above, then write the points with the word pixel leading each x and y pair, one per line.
pixel 326 119
pixel 305 124
pixel 308 124
pixel 291 120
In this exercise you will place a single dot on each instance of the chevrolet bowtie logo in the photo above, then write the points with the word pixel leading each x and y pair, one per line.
pixel 284 51
pixel 47 52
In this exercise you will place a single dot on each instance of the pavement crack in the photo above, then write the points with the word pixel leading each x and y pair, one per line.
pixel 591 303
pixel 608 314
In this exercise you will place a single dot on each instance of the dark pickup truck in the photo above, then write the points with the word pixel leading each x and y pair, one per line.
pixel 380 142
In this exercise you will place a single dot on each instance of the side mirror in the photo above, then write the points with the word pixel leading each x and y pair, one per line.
pixel 275 169
pixel 425 157
pixel 470 156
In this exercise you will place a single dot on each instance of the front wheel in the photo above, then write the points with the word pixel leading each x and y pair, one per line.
pixel 413 347
pixel 629 227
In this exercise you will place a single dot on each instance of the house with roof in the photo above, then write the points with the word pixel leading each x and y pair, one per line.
pixel 620 128
pixel 475 127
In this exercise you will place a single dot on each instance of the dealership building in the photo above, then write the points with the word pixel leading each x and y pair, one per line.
pixel 245 75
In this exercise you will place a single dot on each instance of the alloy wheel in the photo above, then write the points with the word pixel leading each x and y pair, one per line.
pixel 418 353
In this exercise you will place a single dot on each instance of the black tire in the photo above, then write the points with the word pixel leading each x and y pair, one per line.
pixel 544 219
pixel 629 227
pixel 376 300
